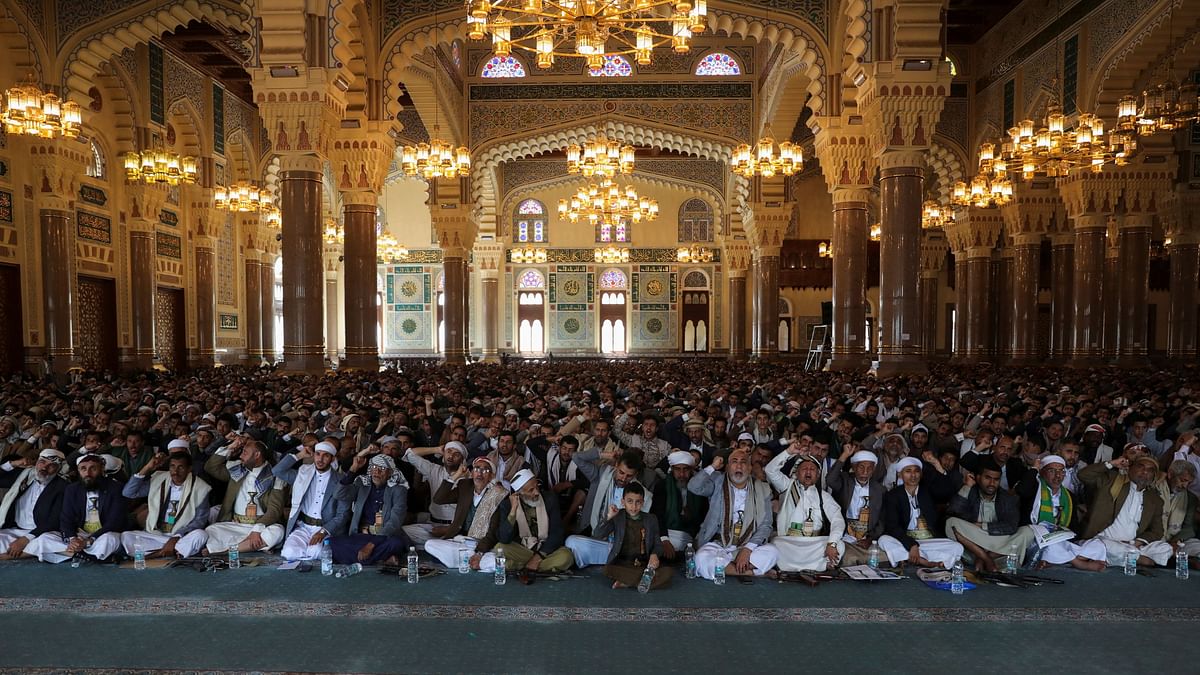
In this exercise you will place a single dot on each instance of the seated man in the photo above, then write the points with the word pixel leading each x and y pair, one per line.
pixel 1048 506
pixel 1179 517
pixel 636 542
pixel 986 520
pixel 530 530
pixel 607 489
pixel 860 497
pixel 563 477
pixel 378 502
pixel 679 511
pixel 810 526
pixel 177 508
pixel 32 506
pixel 93 517
pixel 735 531
pixel 316 512
pixel 912 531
pixel 1124 515
pixel 253 507
pixel 454 454
pixel 476 516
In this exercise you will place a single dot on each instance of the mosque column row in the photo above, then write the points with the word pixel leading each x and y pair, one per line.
pixel 1182 225
pixel 54 174
pixel 360 164
pixel 489 260
pixel 933 256
pixel 766 233
pixel 253 312
pixel 145 202
pixel 331 259
pixel 456 235
pixel 737 262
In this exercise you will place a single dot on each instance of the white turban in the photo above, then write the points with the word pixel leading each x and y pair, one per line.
pixel 523 476
pixel 907 462
pixel 1052 459
pixel 864 456
pixel 177 444
pixel 326 448
pixel 681 458
pixel 455 445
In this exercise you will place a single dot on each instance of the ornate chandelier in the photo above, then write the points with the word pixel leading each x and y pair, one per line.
pixel 825 250
pixel 935 216
pixel 611 255
pixel 333 234
pixel 389 250
pixel 763 159
pixel 990 187
pixel 608 206
pixel 528 255
pixel 600 157
pixel 1052 150
pixel 435 159
pixel 160 166
pixel 272 217
pixel 242 197
pixel 876 232
pixel 1162 108
pixel 694 254
pixel 591 29
pixel 31 112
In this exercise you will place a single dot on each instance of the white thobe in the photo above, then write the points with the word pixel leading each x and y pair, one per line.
pixel 1120 537
pixel 797 550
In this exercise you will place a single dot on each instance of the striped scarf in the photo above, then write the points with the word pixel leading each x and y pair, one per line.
pixel 1046 508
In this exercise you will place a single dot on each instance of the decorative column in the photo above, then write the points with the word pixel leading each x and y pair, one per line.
pixel 1140 197
pixel 766 234
pixel 145 201
pixel 206 300
pixel 55 171
pixel 960 300
pixel 1110 290
pixel 1181 220
pixel 737 257
pixel 253 313
pixel 844 152
pixel 979 302
pixel 456 232
pixel 1026 261
pixel 933 256
pixel 1062 283
pixel 267 288
pixel 975 232
pixel 1089 199
pixel 901 185
pixel 332 254
pixel 489 260
pixel 361 160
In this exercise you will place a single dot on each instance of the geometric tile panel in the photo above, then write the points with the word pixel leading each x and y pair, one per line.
pixel 167 335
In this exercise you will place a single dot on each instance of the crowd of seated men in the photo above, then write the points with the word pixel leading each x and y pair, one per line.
pixel 754 468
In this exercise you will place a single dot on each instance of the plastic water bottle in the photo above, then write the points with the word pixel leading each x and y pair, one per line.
pixel 956 578
pixel 326 557
pixel 689 557
pixel 413 576
pixel 647 579
pixel 464 560
pixel 501 573
pixel 1131 559
pixel 873 554
pixel 1181 564
pixel 348 570
pixel 1011 561
pixel 139 557
pixel 719 572
pixel 235 559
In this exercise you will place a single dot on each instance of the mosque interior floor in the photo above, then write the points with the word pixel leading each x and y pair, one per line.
pixel 57 618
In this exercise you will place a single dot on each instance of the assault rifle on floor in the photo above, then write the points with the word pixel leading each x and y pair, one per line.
pixel 1013 580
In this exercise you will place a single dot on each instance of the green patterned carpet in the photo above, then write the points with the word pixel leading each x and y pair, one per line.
pixel 263 619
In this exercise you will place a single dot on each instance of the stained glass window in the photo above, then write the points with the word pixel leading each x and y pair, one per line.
pixel 532 279
pixel 96 169
pixel 529 223
pixel 718 63
pixel 503 66
pixel 695 221
pixel 612 279
pixel 615 65
pixel 607 232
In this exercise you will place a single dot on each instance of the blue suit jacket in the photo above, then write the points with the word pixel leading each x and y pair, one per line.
pixel 113 509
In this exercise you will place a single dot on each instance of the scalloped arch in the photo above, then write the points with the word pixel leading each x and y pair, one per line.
pixel 79 65
pixel 948 161
pixel 189 128
pixel 509 201
pixel 18 39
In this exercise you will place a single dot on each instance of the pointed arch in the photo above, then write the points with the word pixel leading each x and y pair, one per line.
pixel 190 138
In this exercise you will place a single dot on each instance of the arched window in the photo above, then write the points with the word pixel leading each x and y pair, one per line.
pixel 532 279
pixel 503 66
pixel 529 223
pixel 97 168
pixel 615 65
pixel 613 279
pixel 718 63
pixel 610 232
pixel 695 221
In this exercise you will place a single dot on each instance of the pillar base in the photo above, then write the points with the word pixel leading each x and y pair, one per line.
pixel 453 359
pixel 1133 361
pixel 1025 361
pixel 890 366
pixel 313 364
pixel 1087 361
pixel 737 355
pixel 849 362
pixel 365 362
pixel 489 357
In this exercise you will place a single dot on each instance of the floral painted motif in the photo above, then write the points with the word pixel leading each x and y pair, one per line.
pixel 532 279
pixel 615 65
pixel 613 279
pixel 718 63
pixel 503 66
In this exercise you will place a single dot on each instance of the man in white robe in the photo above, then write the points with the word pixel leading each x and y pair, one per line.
pixel 809 526
pixel 177 506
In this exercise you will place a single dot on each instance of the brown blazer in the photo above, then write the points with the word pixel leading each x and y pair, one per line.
pixel 272 502
pixel 1104 508
pixel 461 494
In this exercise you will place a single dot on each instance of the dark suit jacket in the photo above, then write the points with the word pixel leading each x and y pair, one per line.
pixel 841 486
pixel 113 510
pixel 507 531
pixel 616 525
pixel 461 494
pixel 1007 515
pixel 695 508
pixel 354 494
pixel 1014 468
pixel 47 511
pixel 896 513
pixel 1104 508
